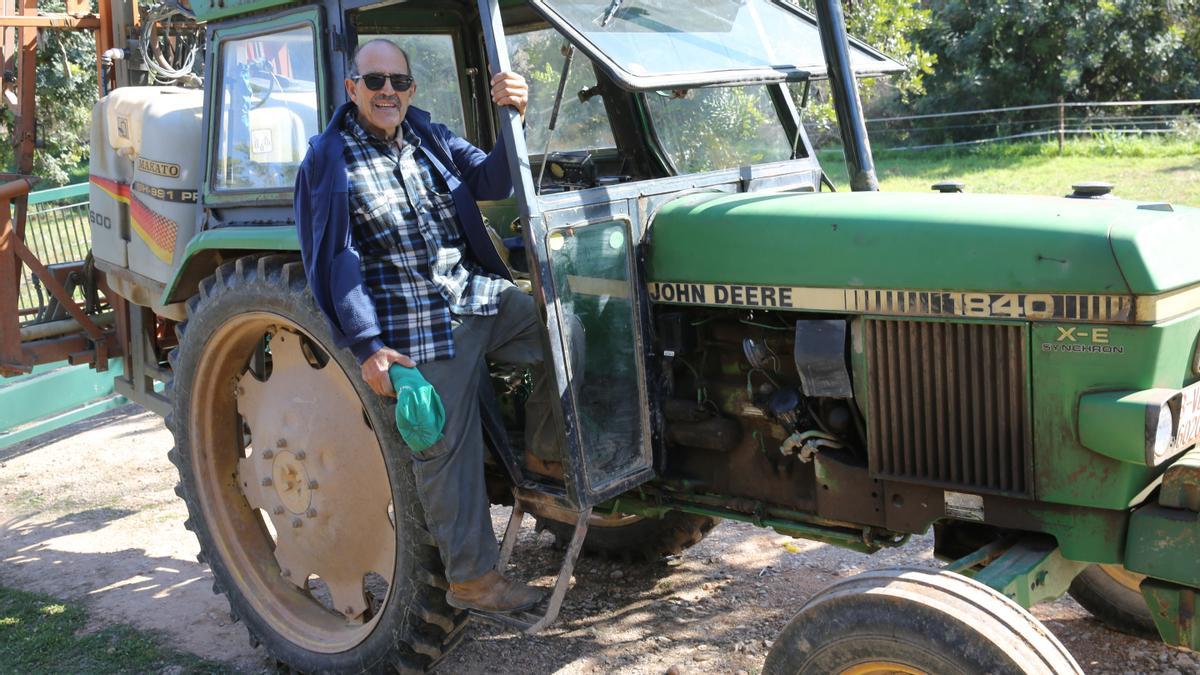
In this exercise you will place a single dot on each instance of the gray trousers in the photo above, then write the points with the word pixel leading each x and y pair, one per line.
pixel 449 473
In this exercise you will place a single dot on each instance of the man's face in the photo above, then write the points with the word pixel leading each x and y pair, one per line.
pixel 380 112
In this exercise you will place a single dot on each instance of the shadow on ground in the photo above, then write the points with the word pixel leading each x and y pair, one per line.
pixel 92 517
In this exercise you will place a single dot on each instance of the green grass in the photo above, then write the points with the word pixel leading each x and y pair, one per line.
pixel 39 634
pixel 1140 169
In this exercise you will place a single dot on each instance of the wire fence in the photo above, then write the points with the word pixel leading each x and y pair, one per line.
pixel 57 232
pixel 1060 120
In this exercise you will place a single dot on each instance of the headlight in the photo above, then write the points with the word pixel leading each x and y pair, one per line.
pixel 1164 435
pixel 1139 427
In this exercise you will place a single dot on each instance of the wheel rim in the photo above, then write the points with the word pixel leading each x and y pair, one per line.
pixel 1130 580
pixel 309 495
pixel 881 668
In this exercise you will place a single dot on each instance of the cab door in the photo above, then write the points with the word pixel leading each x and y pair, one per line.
pixel 581 255
pixel 589 278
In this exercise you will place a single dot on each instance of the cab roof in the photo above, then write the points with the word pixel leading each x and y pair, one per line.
pixel 664 44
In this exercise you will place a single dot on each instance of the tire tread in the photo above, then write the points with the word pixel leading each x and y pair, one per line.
pixel 434 627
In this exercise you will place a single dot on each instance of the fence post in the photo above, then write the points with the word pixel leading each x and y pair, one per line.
pixel 1062 124
pixel 12 359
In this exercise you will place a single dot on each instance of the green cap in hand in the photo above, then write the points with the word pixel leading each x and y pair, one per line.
pixel 420 416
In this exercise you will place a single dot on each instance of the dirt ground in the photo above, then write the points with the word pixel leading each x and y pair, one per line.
pixel 88 515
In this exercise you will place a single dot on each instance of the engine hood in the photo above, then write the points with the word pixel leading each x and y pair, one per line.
pixel 960 242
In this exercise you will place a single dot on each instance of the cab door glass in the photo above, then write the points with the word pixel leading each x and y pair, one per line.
pixel 268 109
pixel 434 69
pixel 591 264
pixel 582 124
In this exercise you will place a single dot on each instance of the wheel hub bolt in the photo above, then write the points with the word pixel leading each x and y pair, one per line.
pixel 268 454
pixel 266 482
pixel 281 443
pixel 296 522
pixel 278 510
pixel 311 513
pixel 312 484
pixel 300 455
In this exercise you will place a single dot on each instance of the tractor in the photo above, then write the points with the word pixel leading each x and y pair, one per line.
pixel 730 337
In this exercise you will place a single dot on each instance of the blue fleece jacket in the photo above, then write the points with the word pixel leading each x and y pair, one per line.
pixel 331 259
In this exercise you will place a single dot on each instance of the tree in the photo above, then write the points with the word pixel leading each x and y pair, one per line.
pixel 66 92
pixel 1187 13
pixel 891 27
pixel 1018 52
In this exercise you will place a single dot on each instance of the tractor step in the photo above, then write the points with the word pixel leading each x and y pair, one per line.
pixel 539 617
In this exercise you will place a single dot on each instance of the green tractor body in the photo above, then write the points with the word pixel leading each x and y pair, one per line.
pixel 1098 292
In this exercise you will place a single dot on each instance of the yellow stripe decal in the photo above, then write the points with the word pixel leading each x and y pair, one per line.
pixel 158 251
pixel 1164 306
pixel 1086 308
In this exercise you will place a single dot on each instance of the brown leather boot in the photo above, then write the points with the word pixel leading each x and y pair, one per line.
pixel 492 592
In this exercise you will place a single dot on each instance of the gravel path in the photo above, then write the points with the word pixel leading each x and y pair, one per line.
pixel 88 514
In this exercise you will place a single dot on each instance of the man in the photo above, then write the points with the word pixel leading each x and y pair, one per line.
pixel 399 260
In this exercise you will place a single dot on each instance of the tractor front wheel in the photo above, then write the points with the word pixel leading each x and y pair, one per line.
pixel 297 484
pixel 1113 595
pixel 915 621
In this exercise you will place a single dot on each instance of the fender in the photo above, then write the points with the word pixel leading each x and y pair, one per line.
pixel 209 249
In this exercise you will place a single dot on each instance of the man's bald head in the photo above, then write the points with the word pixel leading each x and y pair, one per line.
pixel 375 45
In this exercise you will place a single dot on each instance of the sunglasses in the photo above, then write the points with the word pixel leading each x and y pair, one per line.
pixel 374 81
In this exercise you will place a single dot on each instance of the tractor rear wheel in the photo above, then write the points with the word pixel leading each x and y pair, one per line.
pixel 1113 595
pixel 915 621
pixel 297 483
pixel 635 538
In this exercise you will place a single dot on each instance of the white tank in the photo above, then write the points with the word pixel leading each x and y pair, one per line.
pixel 146 173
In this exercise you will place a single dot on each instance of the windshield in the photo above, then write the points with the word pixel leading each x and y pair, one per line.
pixel 650 44
pixel 718 128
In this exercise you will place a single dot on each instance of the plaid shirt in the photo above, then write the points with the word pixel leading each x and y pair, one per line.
pixel 414 257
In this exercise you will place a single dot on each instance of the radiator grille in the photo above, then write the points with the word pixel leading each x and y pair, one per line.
pixel 949 404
